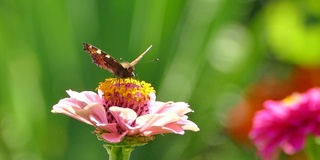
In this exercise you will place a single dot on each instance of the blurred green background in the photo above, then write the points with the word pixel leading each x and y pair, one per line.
pixel 223 57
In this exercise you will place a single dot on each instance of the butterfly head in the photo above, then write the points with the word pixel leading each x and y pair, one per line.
pixel 127 71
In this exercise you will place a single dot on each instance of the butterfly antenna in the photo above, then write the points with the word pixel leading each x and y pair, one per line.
pixel 133 63
pixel 157 59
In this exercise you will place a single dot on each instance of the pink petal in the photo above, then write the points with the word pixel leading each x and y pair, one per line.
pixel 153 130
pixel 189 125
pixel 124 116
pixel 70 102
pixel 156 107
pixel 69 111
pixel 85 96
pixel 113 137
pixel 166 118
pixel 155 124
pixel 156 119
pixel 181 108
pixel 94 112
pixel 294 144
pixel 78 103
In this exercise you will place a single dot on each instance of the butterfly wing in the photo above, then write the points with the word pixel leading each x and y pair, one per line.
pixel 103 60
pixel 134 62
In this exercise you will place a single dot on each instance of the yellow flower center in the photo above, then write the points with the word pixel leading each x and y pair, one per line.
pixel 294 98
pixel 126 93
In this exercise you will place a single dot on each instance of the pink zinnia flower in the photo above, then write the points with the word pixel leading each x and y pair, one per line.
pixel 285 124
pixel 126 108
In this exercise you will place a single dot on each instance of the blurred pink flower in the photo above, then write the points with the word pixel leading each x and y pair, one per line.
pixel 285 124
pixel 126 107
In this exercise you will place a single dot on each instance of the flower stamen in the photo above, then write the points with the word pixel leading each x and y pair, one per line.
pixel 126 93
pixel 292 99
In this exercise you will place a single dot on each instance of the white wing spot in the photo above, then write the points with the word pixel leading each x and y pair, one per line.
pixel 107 56
pixel 99 51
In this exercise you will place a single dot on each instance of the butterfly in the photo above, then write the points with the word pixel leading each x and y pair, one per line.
pixel 105 61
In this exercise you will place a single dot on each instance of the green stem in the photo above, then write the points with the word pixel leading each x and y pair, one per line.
pixel 312 148
pixel 118 153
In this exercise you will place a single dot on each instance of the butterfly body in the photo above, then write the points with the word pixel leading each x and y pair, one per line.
pixel 105 61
